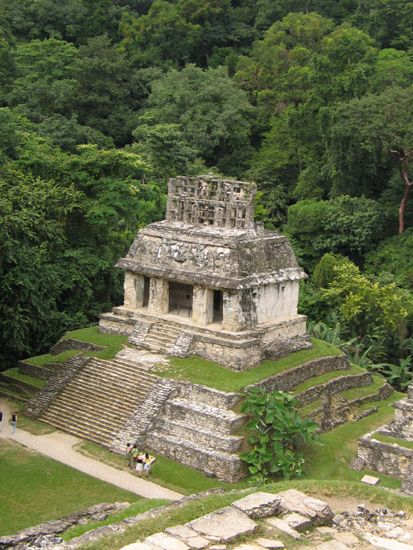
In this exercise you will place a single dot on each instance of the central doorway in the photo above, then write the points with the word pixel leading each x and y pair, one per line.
pixel 146 285
pixel 180 299
pixel 218 306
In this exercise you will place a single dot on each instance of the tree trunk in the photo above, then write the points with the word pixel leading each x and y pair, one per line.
pixel 404 172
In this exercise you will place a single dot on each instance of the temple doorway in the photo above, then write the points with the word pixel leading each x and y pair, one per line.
pixel 146 284
pixel 180 299
pixel 218 306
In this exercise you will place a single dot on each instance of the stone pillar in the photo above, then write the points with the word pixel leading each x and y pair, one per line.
pixel 158 296
pixel 232 317
pixel 133 290
pixel 202 305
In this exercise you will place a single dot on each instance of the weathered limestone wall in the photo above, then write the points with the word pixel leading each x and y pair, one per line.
pixel 235 358
pixel 288 380
pixel 284 330
pixel 55 385
pixel 158 296
pixel 277 301
pixel 386 458
pixel 202 305
pixel 133 290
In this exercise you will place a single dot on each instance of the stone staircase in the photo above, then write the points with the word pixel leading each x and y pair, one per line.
pixel 198 429
pixel 98 401
pixel 161 337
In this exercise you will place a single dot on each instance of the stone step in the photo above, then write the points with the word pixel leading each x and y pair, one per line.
pixel 204 438
pixel 119 366
pixel 334 386
pixel 90 378
pixel 225 466
pixel 100 399
pixel 87 416
pixel 196 393
pixel 204 416
pixel 82 432
pixel 118 404
pixel 290 378
pixel 115 376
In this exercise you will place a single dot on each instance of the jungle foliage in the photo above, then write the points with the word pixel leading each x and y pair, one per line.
pixel 102 100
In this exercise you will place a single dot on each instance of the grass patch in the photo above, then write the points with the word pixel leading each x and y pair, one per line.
pixel 113 343
pixel 134 509
pixel 35 488
pixel 24 422
pixel 324 378
pixel 165 472
pixel 332 457
pixel 208 373
pixel 41 360
pixel 197 508
pixel 14 374
pixel 364 391
pixel 394 440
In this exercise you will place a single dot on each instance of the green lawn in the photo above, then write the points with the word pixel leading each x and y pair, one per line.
pixel 327 377
pixel 134 509
pixel 165 472
pixel 393 440
pixel 14 374
pixel 332 457
pixel 45 359
pixel 112 343
pixel 208 373
pixel 35 488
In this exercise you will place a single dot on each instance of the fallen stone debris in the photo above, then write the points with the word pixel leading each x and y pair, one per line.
pixel 260 520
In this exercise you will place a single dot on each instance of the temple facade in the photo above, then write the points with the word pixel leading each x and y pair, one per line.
pixel 209 281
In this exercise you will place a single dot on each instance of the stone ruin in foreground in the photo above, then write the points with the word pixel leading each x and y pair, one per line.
pixel 209 281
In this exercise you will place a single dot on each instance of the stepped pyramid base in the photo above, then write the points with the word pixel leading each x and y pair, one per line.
pixel 179 336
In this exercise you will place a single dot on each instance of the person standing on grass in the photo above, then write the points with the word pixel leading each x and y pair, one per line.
pixel 129 455
pixel 14 422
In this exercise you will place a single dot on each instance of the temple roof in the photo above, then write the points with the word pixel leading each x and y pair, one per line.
pixel 223 249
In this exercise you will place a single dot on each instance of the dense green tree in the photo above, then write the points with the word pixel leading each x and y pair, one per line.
pixel 44 83
pixel 160 37
pixel 368 138
pixel 394 256
pixel 32 218
pixel 390 22
pixel 104 90
pixel 210 111
pixel 345 225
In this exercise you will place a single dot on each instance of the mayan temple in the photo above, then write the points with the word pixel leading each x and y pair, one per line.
pixel 209 281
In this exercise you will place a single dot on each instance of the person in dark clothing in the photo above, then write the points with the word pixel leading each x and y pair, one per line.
pixel 14 422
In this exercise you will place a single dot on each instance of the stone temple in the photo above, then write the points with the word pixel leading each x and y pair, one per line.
pixel 206 281
pixel 209 281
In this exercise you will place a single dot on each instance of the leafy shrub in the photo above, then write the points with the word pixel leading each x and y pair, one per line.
pixel 277 433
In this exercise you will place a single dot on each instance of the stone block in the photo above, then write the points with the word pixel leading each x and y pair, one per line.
pixel 272 544
pixel 370 480
pixel 348 539
pixel 188 535
pixel 331 545
pixel 140 546
pixel 224 525
pixel 283 527
pixel 166 542
pixel 259 505
pixel 315 509
pixel 297 521
pixel 248 546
